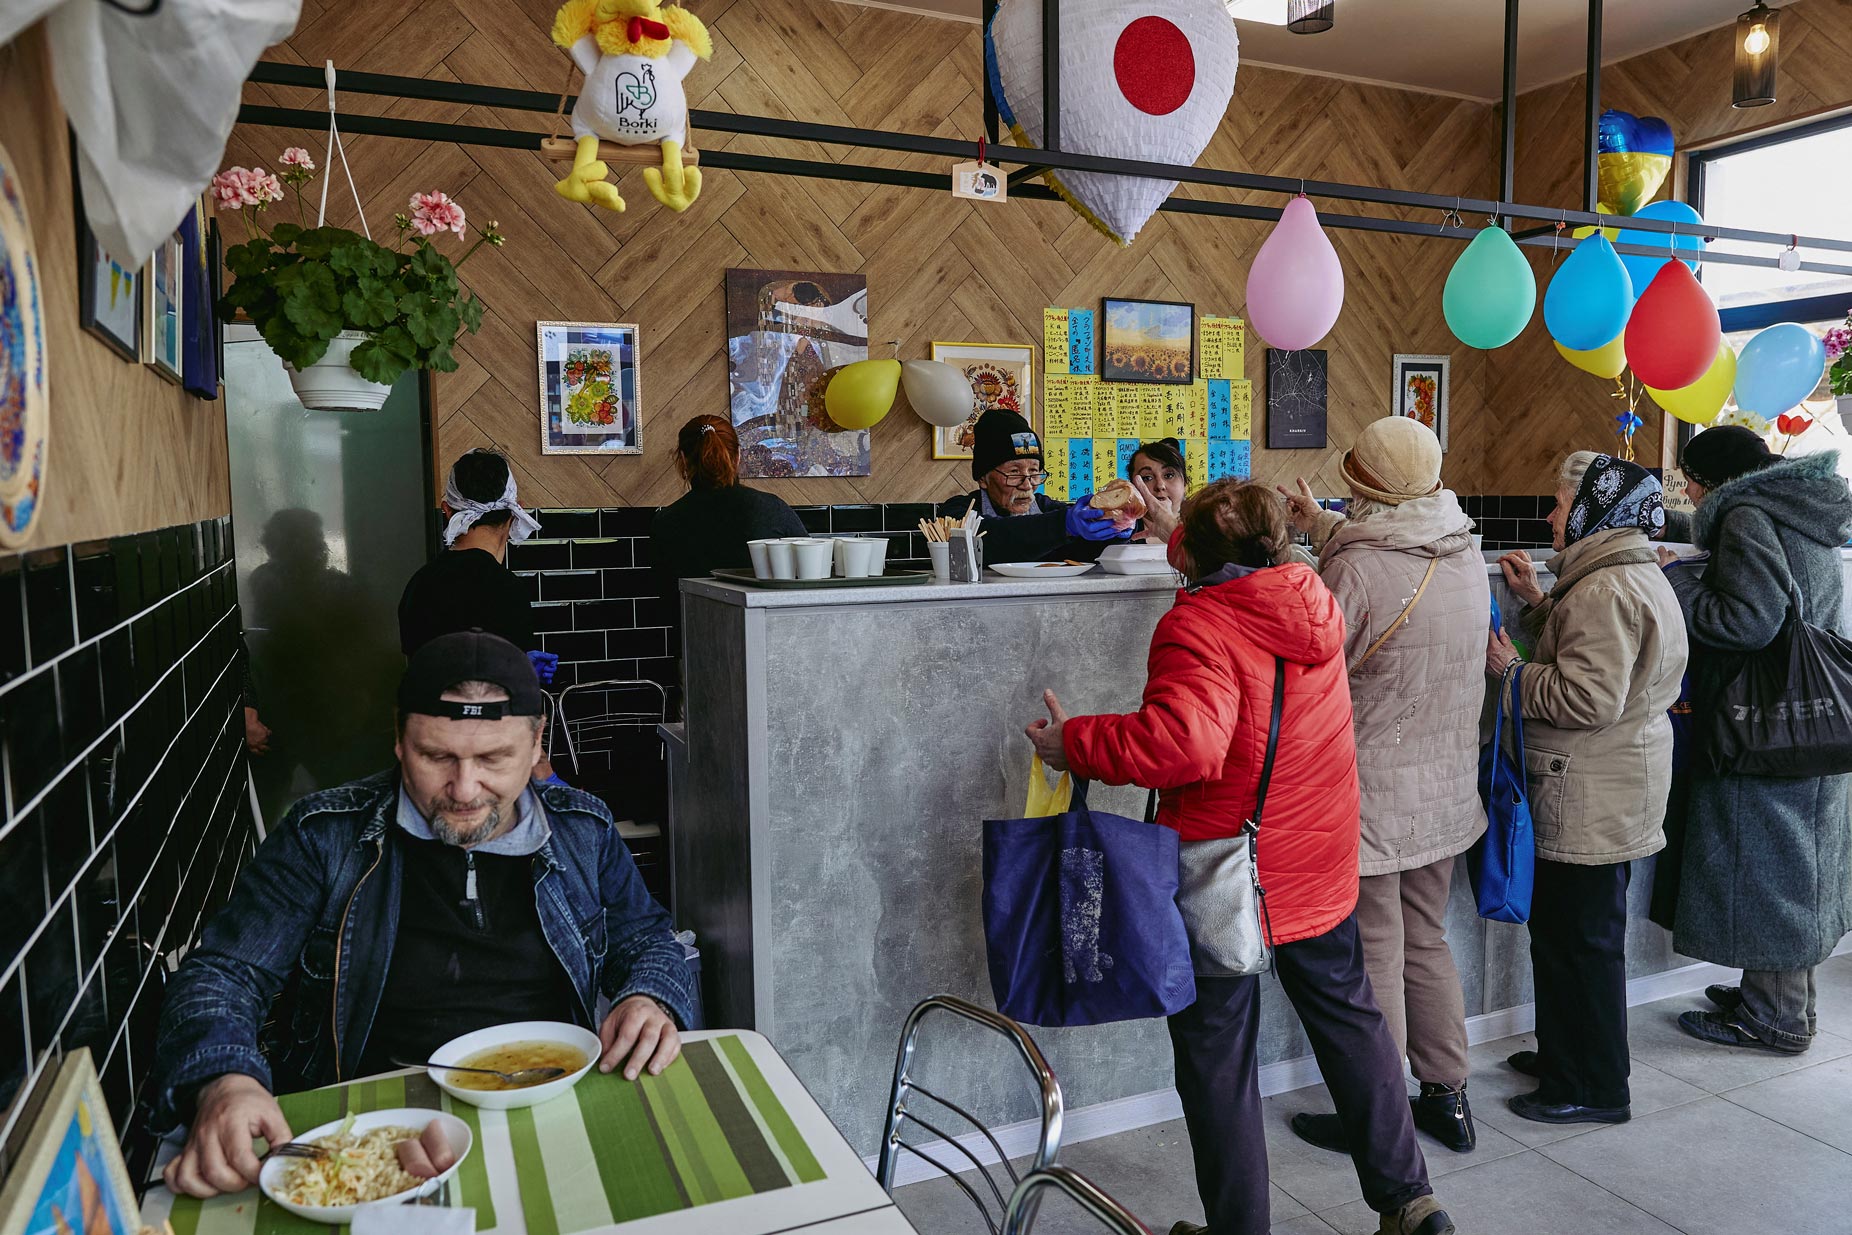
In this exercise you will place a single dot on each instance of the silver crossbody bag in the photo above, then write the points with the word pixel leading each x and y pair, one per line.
pixel 1218 882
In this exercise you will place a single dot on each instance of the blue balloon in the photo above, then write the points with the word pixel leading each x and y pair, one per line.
pixel 1778 368
pixel 1589 297
pixel 1642 269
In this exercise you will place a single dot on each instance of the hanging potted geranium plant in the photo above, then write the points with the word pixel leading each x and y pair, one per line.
pixel 1838 342
pixel 347 314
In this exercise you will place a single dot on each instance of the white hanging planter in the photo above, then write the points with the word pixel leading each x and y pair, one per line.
pixel 332 385
pixel 1844 403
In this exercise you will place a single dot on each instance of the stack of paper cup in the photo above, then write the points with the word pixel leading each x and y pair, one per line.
pixel 812 557
pixel 941 553
pixel 761 557
pixel 781 557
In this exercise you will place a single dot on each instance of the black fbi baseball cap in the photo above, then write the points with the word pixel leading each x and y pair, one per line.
pixel 469 656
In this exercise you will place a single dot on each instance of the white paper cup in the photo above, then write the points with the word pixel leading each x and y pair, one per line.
pixel 781 556
pixel 841 548
pixel 761 557
pixel 862 553
pixel 878 563
pixel 813 559
pixel 941 560
pixel 1478 543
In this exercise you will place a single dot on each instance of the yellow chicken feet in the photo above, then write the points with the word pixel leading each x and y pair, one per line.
pixel 587 181
pixel 675 186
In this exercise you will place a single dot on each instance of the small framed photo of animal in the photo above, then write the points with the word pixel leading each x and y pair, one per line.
pixel 589 389
pixel 69 1174
pixel 1148 341
pixel 1419 391
pixel 1001 375
pixel 109 295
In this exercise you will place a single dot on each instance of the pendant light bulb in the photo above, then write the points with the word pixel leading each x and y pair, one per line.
pixel 1757 41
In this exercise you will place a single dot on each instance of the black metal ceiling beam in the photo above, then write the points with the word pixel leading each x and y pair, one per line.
pixel 1591 109
pixel 432 130
pixel 1508 128
pixel 953 148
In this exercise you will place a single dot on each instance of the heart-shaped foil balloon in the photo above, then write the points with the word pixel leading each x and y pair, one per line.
pixel 1148 83
pixel 1633 155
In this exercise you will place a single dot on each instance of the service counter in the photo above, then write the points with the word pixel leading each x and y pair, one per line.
pixel 840 750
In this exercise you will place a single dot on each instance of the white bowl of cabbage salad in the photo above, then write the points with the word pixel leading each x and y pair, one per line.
pixel 362 1170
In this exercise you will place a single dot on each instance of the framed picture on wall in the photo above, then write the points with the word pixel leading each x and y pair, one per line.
pixel 69 1175
pixel 589 389
pixel 1001 375
pixel 787 333
pixel 1419 391
pixel 1148 341
pixel 163 330
pixel 109 295
pixel 1296 399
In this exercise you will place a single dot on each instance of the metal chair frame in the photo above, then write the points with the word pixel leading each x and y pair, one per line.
pixel 585 732
pixel 1019 1215
pixel 905 1087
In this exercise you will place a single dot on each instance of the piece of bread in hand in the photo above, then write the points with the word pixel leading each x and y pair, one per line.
pixel 1119 498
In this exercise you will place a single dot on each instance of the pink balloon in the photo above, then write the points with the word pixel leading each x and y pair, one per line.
pixel 1296 285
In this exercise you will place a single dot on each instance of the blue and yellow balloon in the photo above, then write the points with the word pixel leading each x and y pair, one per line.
pixel 1633 155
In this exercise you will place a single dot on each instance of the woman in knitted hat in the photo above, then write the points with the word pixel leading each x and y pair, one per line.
pixel 1764 882
pixel 1414 595
pixel 1608 658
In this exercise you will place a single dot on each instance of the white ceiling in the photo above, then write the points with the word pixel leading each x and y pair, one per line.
pixel 1451 46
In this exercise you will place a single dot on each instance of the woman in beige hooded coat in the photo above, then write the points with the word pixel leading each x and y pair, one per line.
pixel 1416 606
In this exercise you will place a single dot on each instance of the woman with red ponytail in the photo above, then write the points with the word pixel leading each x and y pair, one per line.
pixel 710 525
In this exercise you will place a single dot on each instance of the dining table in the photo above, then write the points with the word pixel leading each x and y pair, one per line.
pixel 727 1139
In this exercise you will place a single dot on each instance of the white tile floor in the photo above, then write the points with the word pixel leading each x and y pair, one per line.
pixel 1722 1142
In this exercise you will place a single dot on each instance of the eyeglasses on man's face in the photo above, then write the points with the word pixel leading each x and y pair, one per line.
pixel 1022 480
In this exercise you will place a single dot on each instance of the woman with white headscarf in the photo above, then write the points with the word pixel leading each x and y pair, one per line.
pixel 469 586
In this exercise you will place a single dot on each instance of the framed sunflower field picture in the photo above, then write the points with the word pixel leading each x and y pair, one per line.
pixel 1148 341
pixel 1001 375
pixel 589 389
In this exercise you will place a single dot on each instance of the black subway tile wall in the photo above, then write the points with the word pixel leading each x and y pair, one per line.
pixel 123 811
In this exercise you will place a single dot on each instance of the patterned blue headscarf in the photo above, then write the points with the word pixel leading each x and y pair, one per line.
pixel 1615 494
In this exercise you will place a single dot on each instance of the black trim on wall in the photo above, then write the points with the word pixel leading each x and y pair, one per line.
pixel 123 809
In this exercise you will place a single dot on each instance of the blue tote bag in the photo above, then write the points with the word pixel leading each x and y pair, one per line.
pixel 1080 917
pixel 1503 862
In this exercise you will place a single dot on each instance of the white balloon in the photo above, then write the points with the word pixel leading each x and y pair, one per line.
pixel 1149 81
pixel 939 392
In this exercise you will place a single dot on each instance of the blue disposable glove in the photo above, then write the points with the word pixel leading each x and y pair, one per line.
pixel 1090 524
pixel 545 663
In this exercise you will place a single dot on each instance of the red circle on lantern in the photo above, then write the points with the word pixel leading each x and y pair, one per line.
pixel 1154 66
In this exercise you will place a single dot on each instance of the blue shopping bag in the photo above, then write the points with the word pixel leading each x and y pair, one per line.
pixel 1503 862
pixel 1080 917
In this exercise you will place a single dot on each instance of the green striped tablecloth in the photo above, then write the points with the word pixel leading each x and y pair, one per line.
pixel 708 1129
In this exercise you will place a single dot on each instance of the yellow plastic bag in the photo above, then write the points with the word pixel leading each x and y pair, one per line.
pixel 1046 799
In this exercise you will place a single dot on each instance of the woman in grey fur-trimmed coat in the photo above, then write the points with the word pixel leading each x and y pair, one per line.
pixel 1765 883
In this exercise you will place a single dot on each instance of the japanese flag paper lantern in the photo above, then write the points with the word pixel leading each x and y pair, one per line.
pixel 1147 82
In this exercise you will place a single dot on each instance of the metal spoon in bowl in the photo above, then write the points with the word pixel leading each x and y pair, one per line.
pixel 520 1077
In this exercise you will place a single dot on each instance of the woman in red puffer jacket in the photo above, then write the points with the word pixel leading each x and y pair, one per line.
pixel 1200 738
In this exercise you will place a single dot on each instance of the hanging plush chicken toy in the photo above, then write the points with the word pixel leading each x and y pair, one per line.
pixel 634 54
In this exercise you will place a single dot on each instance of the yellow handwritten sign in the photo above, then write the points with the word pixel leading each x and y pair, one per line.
pixel 1221 347
pixel 1054 341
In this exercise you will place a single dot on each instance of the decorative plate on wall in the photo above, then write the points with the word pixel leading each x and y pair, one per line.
pixel 25 406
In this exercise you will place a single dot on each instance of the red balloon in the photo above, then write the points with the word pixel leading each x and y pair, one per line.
pixel 1673 335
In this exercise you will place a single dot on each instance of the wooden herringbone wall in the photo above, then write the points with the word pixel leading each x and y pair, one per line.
pixel 937 268
pixel 1539 403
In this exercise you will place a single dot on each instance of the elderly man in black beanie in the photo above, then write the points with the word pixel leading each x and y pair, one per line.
pixel 1022 525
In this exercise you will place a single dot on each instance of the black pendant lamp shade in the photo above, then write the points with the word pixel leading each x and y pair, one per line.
pixel 1311 16
pixel 1757 38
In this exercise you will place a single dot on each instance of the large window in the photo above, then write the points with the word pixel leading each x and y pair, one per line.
pixel 1797 180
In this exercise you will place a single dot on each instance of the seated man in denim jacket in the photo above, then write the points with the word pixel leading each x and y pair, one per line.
pixel 397 912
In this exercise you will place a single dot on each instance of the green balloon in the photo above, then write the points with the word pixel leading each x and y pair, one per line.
pixel 1490 292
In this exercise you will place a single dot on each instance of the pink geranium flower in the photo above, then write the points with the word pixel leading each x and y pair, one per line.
pixel 238 187
pixel 1837 340
pixel 296 156
pixel 435 212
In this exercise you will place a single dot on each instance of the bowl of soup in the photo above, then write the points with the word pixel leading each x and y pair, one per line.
pixel 510 1048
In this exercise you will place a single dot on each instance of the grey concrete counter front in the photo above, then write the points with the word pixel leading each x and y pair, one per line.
pixel 844 747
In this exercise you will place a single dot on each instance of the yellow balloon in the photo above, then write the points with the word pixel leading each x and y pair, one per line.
pixel 861 393
pixel 1700 402
pixel 1607 361
pixel 1612 233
